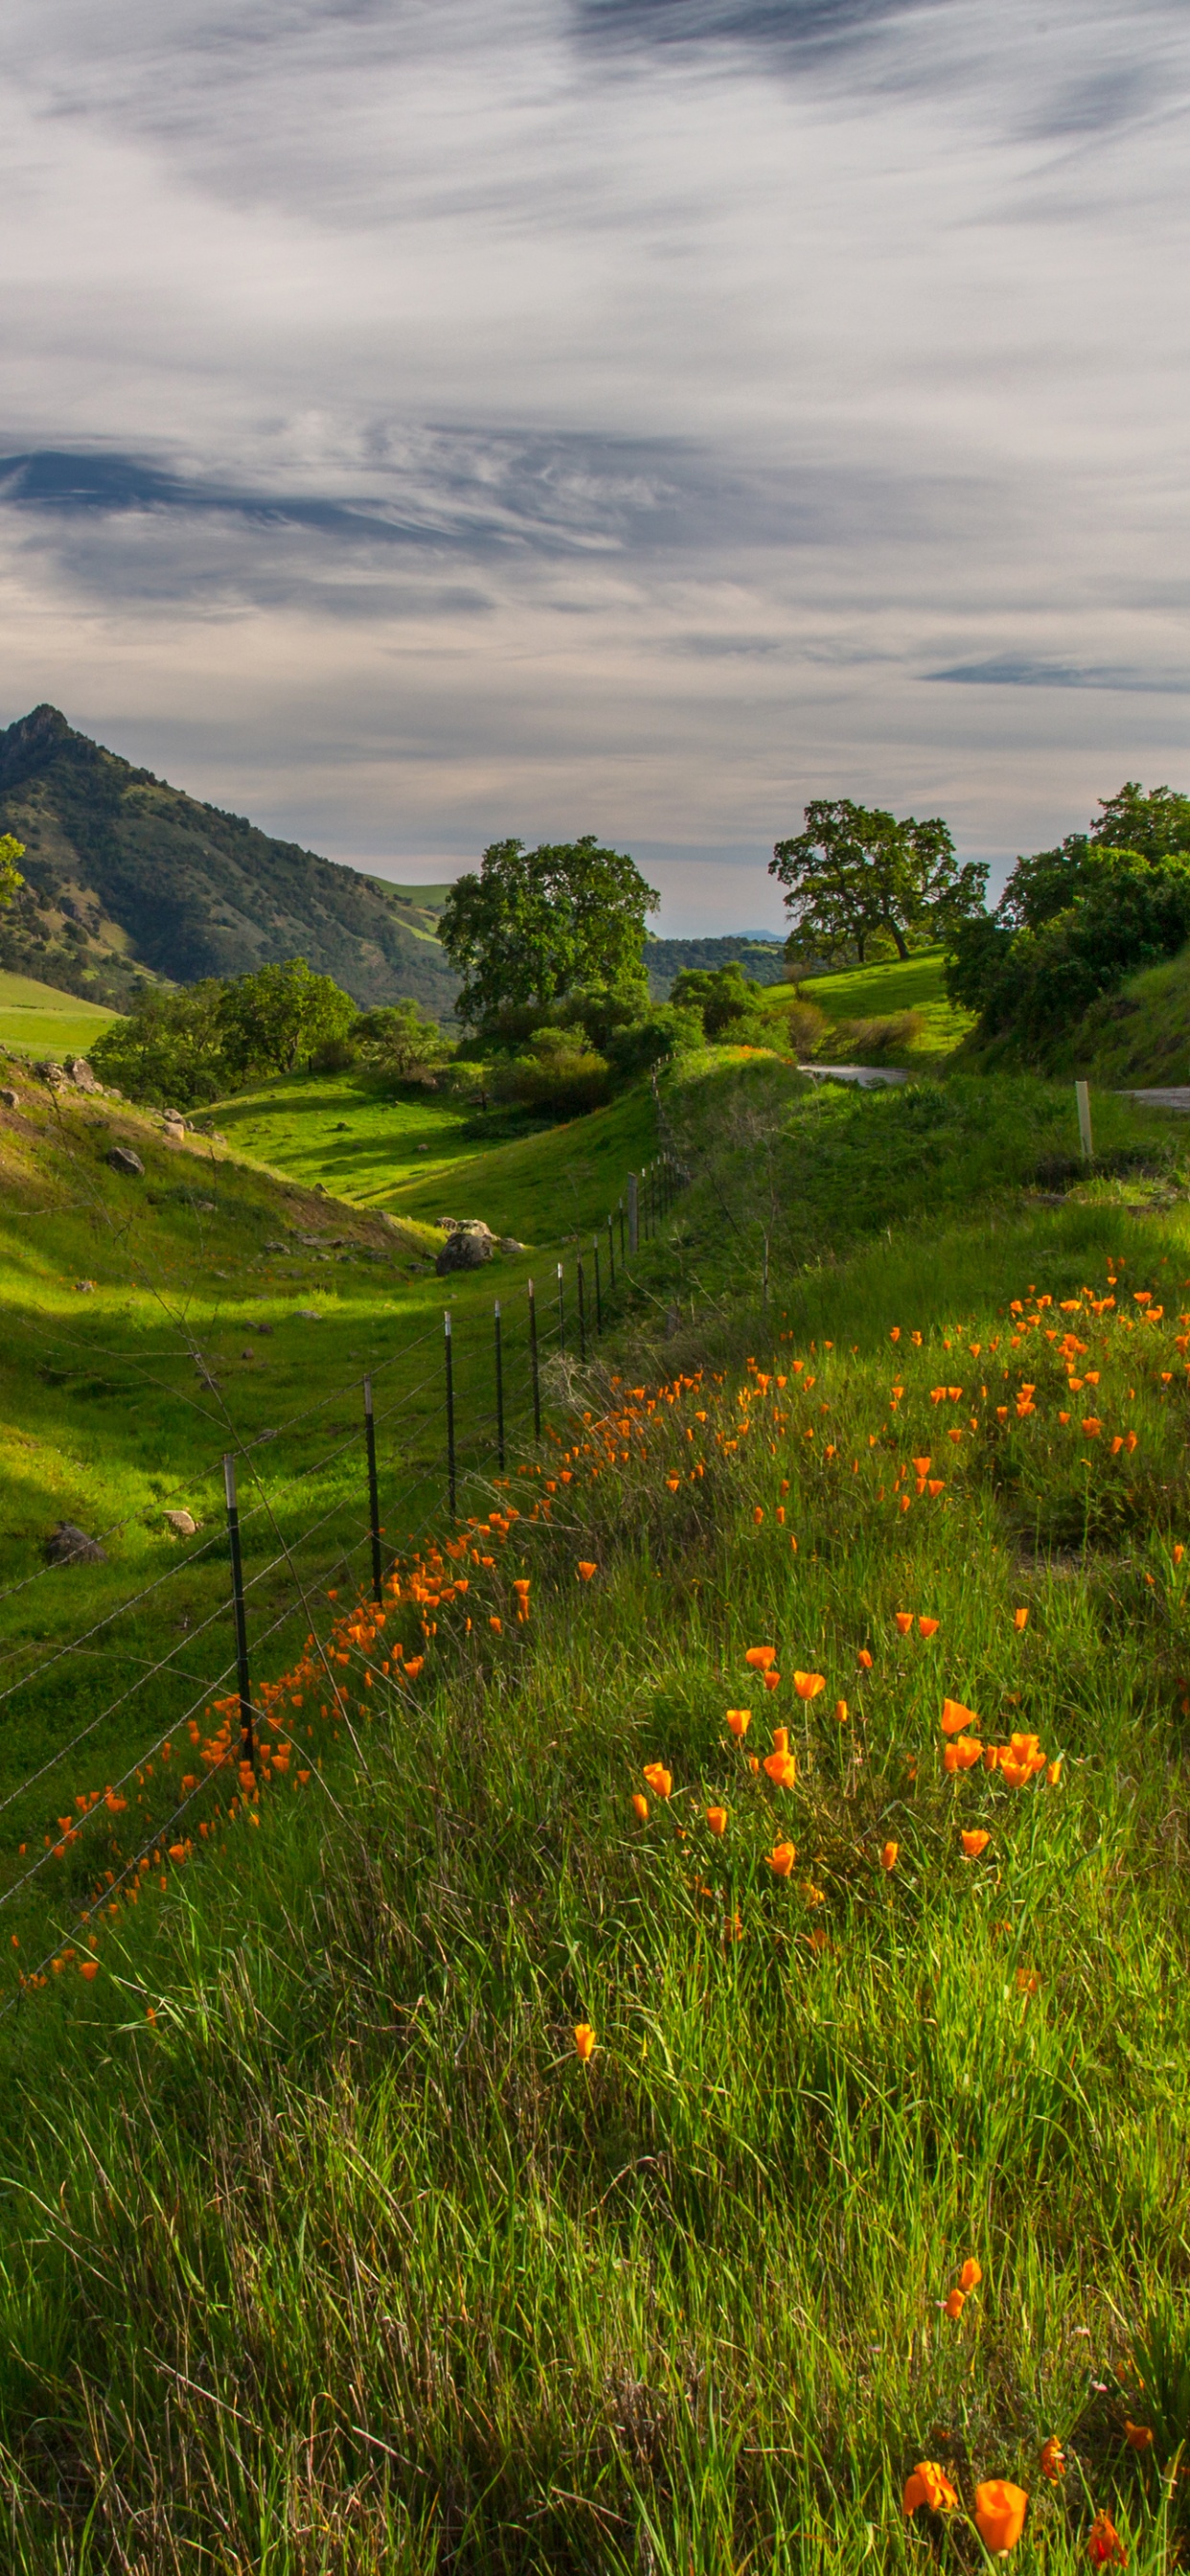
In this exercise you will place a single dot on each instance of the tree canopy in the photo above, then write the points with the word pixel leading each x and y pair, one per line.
pixel 536 924
pixel 10 875
pixel 192 1044
pixel 1074 921
pixel 854 872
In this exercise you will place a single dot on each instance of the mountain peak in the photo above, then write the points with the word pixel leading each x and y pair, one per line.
pixel 33 740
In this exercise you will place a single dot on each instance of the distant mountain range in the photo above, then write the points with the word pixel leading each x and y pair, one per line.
pixel 129 880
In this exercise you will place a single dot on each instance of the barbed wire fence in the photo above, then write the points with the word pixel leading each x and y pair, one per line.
pixel 481 1398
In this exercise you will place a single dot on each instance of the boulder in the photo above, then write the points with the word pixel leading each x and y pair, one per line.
pixel 84 1287
pixel 81 1075
pixel 122 1159
pixel 465 1225
pixel 69 1545
pixel 183 1524
pixel 464 1250
pixel 10 1098
pixel 54 1074
pixel 508 1243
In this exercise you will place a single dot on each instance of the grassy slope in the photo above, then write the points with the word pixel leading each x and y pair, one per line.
pixel 1143 1034
pixel 370 1149
pixel 118 1404
pixel 420 2284
pixel 36 1019
pixel 875 992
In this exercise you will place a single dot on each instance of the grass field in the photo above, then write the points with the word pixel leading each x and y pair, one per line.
pixel 322 2248
pixel 865 993
pixel 37 1019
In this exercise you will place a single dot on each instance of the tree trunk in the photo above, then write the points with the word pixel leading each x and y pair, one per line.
pixel 902 942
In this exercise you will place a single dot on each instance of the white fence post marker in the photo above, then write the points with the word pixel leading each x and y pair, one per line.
pixel 1083 1099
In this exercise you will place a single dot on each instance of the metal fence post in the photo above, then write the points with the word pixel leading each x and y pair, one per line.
pixel 561 1312
pixel 582 1314
pixel 448 1346
pixel 499 1390
pixel 373 1492
pixel 598 1295
pixel 533 1361
pixel 247 1738
pixel 611 1251
pixel 633 1216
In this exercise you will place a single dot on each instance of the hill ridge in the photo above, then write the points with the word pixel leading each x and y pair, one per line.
pixel 130 879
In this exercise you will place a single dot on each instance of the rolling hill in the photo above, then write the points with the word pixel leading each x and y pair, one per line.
pixel 128 879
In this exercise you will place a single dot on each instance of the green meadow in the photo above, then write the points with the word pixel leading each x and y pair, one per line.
pixel 321 2245
pixel 857 997
pixel 37 1019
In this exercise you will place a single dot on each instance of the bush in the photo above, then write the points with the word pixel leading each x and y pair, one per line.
pixel 655 1039
pixel 1035 986
pixel 882 1040
pixel 556 1078
pixel 335 1055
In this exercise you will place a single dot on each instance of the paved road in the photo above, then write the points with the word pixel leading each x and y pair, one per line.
pixel 1175 1095
pixel 870 1077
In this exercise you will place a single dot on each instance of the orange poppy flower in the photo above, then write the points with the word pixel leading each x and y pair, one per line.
pixel 760 1657
pixel 88 1968
pixel 1000 2510
pixel 955 1717
pixel 1053 2460
pixel 888 1856
pixel 757 1514
pixel 497 1626
pixel 413 1668
pixel 739 1720
pixel 808 1685
pixel 929 2485
pixel 1104 2545
pixel 640 1808
pixel 584 2040
pixel 962 1755
pixel 904 1620
pixel 921 1466
pixel 672 1483
pixel 864 1660
pixel 842 1712
pixel 971 2274
pixel 585 1571
pixel 781 1768
pixel 771 1680
pixel 1028 1983
pixel 928 1627
pixel 1139 2437
pixel 954 2305
pixel 1020 1619
pixel 975 1843
pixel 659 1779
pixel 520 1583
pixel 781 1858
pixel 717 1819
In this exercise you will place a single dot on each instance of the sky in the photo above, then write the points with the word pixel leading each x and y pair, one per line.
pixel 428 421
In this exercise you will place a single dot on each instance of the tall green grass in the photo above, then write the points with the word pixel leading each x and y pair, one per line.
pixel 345 2261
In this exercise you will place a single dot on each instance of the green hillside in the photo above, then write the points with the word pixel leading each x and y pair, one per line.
pixel 685 2018
pixel 856 997
pixel 763 960
pixel 127 877
pixel 40 1019
pixel 1140 1034
pixel 419 1156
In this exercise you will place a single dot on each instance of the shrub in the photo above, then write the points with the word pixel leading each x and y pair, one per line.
pixel 557 1078
pixel 883 1040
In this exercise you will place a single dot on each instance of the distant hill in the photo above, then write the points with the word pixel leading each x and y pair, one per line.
pixel 762 958
pixel 129 879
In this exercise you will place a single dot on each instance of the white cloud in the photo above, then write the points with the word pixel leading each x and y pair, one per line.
pixel 564 426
